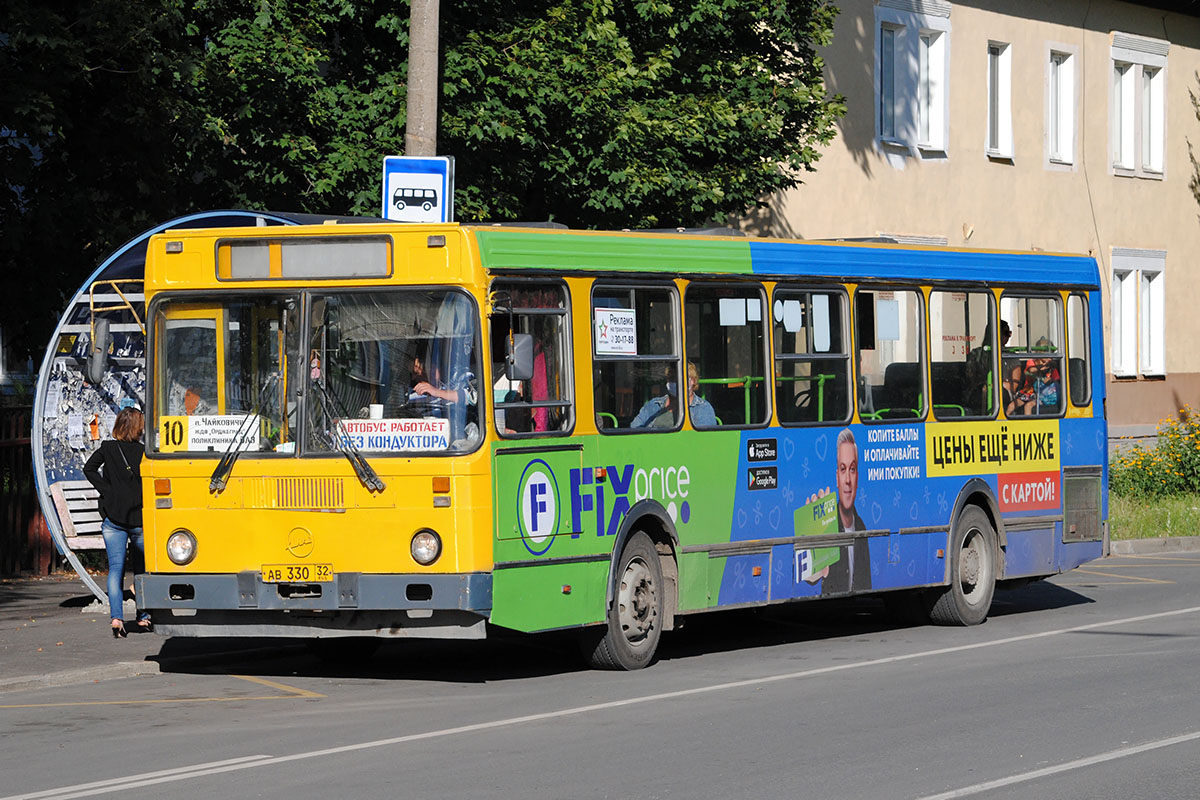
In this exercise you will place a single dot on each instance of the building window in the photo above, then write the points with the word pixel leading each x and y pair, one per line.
pixel 1138 326
pixel 931 69
pixel 912 76
pixel 1137 109
pixel 1122 105
pixel 999 136
pixel 1150 343
pixel 887 82
pixel 1060 111
pixel 1124 323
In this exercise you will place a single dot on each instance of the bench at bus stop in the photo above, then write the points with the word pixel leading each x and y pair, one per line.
pixel 78 507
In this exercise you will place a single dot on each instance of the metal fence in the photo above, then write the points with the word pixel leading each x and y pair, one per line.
pixel 25 543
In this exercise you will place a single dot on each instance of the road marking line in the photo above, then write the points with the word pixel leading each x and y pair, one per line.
pixel 154 702
pixel 292 693
pixel 136 781
pixel 1160 562
pixel 1101 584
pixel 1024 777
pixel 283 687
pixel 119 783
pixel 1130 578
pixel 1164 557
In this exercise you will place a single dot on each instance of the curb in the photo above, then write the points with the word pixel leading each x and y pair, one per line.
pixel 70 677
pixel 1163 544
pixel 153 665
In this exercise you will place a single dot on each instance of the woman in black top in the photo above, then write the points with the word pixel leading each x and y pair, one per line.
pixel 115 470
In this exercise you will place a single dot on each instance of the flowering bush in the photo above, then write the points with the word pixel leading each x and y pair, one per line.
pixel 1172 467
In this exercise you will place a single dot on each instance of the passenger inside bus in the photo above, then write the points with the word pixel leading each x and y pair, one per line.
pixel 662 412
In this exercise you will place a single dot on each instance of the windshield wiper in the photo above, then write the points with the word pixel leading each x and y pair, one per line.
pixel 341 440
pixel 220 475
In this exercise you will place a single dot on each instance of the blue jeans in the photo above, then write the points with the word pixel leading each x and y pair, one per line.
pixel 116 544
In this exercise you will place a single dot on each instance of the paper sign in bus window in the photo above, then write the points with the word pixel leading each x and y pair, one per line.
pixel 732 311
pixel 887 320
pixel 793 316
pixel 820 317
pixel 616 332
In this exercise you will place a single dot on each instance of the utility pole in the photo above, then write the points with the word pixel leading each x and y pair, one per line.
pixel 420 133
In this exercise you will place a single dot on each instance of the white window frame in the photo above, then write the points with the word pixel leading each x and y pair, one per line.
pixel 1137 105
pixel 920 73
pixel 1138 312
pixel 999 135
pixel 1123 335
pixel 1062 102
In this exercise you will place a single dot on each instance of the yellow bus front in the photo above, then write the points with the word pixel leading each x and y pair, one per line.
pixel 314 434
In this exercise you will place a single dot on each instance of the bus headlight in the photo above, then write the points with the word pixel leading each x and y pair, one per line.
pixel 426 547
pixel 181 547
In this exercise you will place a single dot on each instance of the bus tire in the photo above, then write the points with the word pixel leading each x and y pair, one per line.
pixel 973 556
pixel 634 619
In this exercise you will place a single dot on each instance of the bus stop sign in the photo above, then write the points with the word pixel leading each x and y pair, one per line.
pixel 418 189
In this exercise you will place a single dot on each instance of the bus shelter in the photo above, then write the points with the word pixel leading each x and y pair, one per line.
pixel 74 411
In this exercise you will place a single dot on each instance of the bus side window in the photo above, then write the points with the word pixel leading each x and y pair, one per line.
pixel 1078 362
pixel 1033 361
pixel 962 356
pixel 726 350
pixel 812 357
pixel 890 358
pixel 541 404
pixel 635 344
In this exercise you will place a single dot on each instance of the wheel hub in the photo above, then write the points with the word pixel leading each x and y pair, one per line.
pixel 637 602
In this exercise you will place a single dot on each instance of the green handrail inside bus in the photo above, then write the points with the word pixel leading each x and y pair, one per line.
pixel 613 417
pixel 962 412
pixel 820 378
pixel 745 382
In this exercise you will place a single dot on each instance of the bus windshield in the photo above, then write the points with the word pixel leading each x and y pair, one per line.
pixel 222 374
pixel 399 368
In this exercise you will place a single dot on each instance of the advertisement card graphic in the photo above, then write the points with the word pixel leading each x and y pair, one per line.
pixel 816 519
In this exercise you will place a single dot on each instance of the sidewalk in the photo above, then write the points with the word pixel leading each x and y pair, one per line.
pixel 53 632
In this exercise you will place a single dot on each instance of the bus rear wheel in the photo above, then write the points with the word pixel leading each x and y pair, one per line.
pixel 973 555
pixel 634 620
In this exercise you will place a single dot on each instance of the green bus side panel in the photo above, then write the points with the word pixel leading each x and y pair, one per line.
pixel 697 587
pixel 578 250
pixel 533 598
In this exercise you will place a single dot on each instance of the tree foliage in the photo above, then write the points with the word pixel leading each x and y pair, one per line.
pixel 596 113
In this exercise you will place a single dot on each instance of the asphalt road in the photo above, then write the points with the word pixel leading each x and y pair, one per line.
pixel 1080 687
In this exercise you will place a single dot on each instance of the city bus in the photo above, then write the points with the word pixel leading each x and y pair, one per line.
pixel 408 430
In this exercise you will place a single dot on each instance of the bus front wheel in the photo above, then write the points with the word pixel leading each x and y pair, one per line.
pixel 634 620
pixel 973 556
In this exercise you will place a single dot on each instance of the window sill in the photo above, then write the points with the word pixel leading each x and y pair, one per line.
pixel 932 152
pixel 1058 162
pixel 999 157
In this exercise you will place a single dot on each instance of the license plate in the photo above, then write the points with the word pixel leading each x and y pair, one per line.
pixel 297 573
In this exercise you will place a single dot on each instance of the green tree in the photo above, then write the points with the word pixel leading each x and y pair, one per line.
pixel 595 113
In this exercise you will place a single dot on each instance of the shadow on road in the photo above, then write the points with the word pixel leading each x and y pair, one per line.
pixel 508 656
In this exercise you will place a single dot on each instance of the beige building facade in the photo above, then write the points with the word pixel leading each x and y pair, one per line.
pixel 1063 126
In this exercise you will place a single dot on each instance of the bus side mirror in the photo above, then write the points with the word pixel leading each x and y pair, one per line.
pixel 518 361
pixel 97 359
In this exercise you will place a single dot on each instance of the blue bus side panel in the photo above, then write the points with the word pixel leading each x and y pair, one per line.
pixel 785 473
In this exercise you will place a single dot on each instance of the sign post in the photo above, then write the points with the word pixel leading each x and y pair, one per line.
pixel 418 189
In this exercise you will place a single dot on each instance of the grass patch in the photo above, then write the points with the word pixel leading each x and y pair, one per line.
pixel 1130 518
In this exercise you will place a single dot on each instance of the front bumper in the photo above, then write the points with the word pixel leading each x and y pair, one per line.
pixel 353 604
